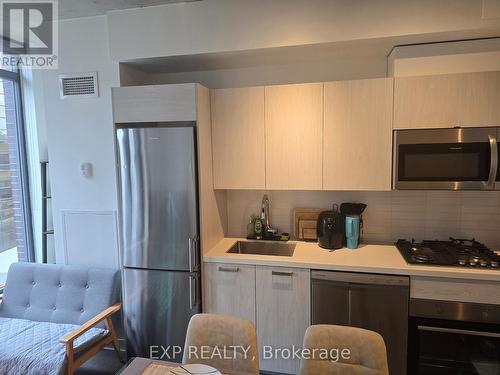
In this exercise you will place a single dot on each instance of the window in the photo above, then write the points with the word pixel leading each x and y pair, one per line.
pixel 15 223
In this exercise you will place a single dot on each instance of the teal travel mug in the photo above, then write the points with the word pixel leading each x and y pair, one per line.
pixel 352 231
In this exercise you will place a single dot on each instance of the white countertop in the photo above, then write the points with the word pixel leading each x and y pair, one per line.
pixel 384 259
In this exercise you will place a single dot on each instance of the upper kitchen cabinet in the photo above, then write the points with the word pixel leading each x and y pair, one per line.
pixel 238 138
pixel 294 125
pixel 358 135
pixel 427 102
pixel 154 103
pixel 444 101
pixel 479 101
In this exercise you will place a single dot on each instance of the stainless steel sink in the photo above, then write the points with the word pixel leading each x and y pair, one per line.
pixel 263 248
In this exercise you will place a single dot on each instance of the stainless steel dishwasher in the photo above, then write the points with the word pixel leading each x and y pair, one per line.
pixel 371 301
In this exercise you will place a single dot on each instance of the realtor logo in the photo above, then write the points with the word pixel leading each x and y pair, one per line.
pixel 29 33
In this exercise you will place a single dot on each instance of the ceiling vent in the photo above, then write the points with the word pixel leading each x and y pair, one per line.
pixel 78 85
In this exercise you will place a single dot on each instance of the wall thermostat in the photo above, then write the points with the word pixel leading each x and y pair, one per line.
pixel 86 169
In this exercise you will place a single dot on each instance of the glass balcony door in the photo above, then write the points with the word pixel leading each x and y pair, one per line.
pixel 15 223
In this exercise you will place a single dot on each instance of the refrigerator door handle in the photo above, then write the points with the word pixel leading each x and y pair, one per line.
pixel 191 250
pixel 196 254
pixel 194 261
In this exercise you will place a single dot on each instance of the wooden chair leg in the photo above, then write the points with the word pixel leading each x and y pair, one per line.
pixel 70 358
pixel 112 333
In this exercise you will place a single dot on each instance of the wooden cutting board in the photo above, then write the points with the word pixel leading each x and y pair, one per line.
pixel 304 222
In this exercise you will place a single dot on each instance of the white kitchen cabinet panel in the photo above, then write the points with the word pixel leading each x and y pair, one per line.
pixel 427 101
pixel 357 139
pixel 154 103
pixel 294 131
pixel 443 289
pixel 479 103
pixel 283 313
pixel 229 290
pixel 238 138
pixel 447 100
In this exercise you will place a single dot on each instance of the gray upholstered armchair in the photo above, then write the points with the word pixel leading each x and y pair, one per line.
pixel 53 318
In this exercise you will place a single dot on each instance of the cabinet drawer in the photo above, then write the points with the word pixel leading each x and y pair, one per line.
pixel 229 289
pixel 477 291
pixel 283 313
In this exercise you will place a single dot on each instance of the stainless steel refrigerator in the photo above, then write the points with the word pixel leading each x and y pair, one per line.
pixel 159 226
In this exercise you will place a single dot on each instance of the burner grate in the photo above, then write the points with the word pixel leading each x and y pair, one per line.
pixel 455 252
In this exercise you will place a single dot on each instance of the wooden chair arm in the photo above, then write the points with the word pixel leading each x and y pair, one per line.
pixel 73 335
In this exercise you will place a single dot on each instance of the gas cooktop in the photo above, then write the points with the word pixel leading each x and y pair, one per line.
pixel 455 252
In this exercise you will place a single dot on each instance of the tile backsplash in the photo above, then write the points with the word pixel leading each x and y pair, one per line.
pixel 389 215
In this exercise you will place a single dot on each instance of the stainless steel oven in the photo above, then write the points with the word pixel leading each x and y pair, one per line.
pixel 446 159
pixel 453 338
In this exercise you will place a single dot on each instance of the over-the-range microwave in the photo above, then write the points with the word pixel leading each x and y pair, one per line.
pixel 446 159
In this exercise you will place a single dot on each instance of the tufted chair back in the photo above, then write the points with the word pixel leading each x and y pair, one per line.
pixel 227 333
pixel 367 355
pixel 58 293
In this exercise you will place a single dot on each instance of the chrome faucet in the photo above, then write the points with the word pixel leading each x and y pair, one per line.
pixel 265 210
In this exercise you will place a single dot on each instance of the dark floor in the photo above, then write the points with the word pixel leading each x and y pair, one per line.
pixel 104 363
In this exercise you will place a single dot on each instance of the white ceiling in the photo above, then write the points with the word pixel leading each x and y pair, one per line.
pixel 87 8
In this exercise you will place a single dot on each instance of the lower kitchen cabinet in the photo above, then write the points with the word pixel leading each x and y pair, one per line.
pixel 283 313
pixel 276 299
pixel 229 289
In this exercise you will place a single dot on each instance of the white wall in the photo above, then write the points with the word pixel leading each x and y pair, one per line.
pixel 389 215
pixel 81 130
pixel 237 25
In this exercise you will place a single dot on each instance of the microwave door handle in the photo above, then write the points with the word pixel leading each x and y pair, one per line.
pixel 494 161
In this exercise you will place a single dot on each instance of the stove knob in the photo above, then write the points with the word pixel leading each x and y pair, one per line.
pixel 461 262
pixel 483 263
pixel 494 264
pixel 473 262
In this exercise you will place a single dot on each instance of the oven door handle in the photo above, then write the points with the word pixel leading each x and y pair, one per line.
pixel 493 161
pixel 458 331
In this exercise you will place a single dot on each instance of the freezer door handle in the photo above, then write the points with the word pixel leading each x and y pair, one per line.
pixel 193 292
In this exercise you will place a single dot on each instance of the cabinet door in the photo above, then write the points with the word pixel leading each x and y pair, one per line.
pixel 480 100
pixel 294 127
pixel 154 103
pixel 357 139
pixel 229 289
pixel 427 101
pixel 283 313
pixel 238 138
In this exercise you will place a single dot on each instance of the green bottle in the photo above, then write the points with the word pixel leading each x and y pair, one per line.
pixel 257 228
